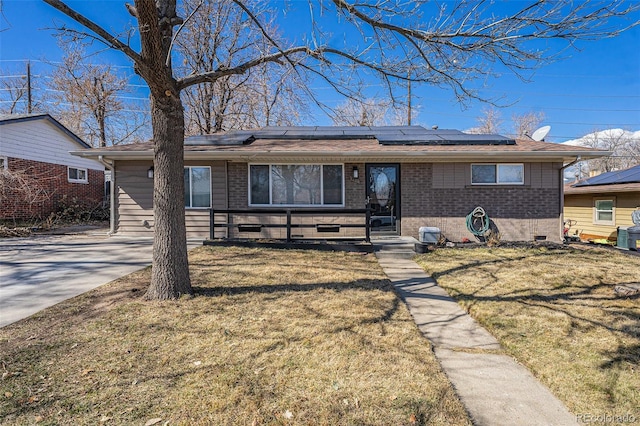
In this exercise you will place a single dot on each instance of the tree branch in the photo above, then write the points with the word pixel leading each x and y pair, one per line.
pixel 212 76
pixel 107 37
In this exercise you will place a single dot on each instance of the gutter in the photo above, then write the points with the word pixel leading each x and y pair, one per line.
pixel 412 156
pixel 112 194
pixel 578 158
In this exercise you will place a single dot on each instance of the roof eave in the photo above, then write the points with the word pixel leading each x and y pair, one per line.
pixel 50 119
pixel 408 156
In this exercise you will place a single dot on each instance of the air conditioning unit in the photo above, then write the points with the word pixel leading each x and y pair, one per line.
pixel 429 235
pixel 623 237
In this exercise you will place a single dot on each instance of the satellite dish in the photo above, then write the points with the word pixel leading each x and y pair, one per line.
pixel 541 133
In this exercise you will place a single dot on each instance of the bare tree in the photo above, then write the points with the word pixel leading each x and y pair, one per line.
pixel 625 149
pixel 274 98
pixel 525 124
pixel 15 91
pixel 445 44
pixel 489 123
pixel 264 95
pixel 87 99
pixel 354 112
pixel 368 112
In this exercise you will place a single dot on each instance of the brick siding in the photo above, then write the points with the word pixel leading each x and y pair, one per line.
pixel 237 178
pixel 519 212
pixel 52 183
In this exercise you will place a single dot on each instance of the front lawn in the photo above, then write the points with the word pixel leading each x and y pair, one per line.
pixel 555 310
pixel 271 337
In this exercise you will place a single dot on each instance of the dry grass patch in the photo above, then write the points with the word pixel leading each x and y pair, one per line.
pixel 271 337
pixel 555 310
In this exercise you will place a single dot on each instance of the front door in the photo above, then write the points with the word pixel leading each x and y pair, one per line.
pixel 383 193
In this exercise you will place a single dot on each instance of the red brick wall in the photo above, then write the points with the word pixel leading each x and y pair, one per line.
pixel 48 185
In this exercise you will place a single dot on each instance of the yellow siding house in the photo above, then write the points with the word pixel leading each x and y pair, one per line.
pixel 602 204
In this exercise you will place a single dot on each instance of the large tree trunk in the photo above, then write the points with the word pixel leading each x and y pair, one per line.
pixel 170 273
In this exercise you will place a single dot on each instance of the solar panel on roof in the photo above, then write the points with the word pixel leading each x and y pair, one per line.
pixel 386 135
pixel 631 175
pixel 437 137
pixel 410 140
pixel 229 138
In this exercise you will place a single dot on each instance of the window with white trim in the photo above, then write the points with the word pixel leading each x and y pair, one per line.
pixel 77 175
pixel 604 211
pixel 296 184
pixel 197 187
pixel 497 174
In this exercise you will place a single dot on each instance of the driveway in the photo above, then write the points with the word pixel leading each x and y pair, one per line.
pixel 40 271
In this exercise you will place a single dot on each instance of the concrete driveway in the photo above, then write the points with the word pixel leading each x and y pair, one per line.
pixel 40 271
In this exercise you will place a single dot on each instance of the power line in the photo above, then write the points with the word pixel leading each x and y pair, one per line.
pixel 546 121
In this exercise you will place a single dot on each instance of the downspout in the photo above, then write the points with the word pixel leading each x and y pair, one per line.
pixel 578 158
pixel 112 194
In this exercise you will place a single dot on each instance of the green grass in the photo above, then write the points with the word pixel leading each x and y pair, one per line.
pixel 272 337
pixel 556 311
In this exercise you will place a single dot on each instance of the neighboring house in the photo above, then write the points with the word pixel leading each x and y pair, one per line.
pixel 38 173
pixel 412 177
pixel 601 204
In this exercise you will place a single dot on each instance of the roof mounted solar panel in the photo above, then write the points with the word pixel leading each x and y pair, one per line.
pixel 228 138
pixel 467 139
pixel 386 135
pixel 631 175
pixel 410 139
pixel 314 133
pixel 446 137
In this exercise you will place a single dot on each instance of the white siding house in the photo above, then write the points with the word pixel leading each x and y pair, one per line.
pixel 36 148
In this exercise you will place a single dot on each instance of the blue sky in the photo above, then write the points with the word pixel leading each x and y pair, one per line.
pixel 595 87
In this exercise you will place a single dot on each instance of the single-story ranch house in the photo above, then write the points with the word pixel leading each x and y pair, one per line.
pixel 603 204
pixel 411 177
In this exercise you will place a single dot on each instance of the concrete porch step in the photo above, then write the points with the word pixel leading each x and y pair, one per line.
pixel 394 247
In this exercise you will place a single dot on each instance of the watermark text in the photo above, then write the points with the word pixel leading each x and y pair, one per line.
pixel 604 418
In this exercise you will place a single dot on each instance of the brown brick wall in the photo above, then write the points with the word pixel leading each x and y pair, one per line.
pixel 519 212
pixel 50 183
pixel 237 178
pixel 355 190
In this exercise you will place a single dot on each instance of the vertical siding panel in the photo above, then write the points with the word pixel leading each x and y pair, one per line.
pixel 534 175
pixel 547 173
pixel 134 194
pixel 438 175
pixel 461 174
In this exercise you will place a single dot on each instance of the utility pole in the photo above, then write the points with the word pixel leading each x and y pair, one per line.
pixel 29 104
pixel 409 97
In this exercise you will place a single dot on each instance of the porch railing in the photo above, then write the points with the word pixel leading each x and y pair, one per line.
pixel 320 227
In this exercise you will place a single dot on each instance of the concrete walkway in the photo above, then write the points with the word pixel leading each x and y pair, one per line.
pixel 494 388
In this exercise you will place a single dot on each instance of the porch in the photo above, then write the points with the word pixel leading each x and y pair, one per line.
pixel 307 229
pixel 292 225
